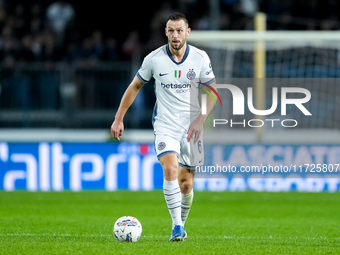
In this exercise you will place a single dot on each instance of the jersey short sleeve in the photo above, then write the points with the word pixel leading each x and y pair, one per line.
pixel 145 73
pixel 206 74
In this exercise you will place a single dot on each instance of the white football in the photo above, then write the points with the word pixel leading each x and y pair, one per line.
pixel 127 229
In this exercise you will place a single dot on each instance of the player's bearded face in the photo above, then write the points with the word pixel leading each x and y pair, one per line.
pixel 177 44
pixel 177 32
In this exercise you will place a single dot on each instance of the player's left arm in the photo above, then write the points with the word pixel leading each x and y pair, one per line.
pixel 196 127
pixel 206 75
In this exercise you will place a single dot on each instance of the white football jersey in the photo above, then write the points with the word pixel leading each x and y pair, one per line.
pixel 176 93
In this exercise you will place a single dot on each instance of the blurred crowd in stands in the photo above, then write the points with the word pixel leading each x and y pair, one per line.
pixel 35 31
pixel 31 33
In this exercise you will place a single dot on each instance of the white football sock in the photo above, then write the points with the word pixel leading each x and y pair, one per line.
pixel 186 205
pixel 172 195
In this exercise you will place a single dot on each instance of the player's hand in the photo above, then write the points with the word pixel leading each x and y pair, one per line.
pixel 117 129
pixel 195 129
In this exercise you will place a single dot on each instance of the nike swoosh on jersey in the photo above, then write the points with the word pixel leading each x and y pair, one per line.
pixel 162 74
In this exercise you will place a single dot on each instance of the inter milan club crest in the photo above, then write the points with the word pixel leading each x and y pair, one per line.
pixel 161 146
pixel 191 74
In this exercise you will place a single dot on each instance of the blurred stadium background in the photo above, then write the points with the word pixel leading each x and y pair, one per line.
pixel 65 65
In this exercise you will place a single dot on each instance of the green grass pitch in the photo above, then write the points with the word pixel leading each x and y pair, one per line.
pixel 219 223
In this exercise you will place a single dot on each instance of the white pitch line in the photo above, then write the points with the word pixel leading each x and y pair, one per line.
pixel 52 234
pixel 271 237
pixel 152 236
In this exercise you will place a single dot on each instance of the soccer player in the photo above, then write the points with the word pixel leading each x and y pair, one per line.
pixel 177 118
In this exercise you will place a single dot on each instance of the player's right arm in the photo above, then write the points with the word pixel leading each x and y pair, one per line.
pixel 144 74
pixel 117 127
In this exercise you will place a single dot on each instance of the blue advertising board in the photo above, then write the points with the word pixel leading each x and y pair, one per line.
pixel 133 166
